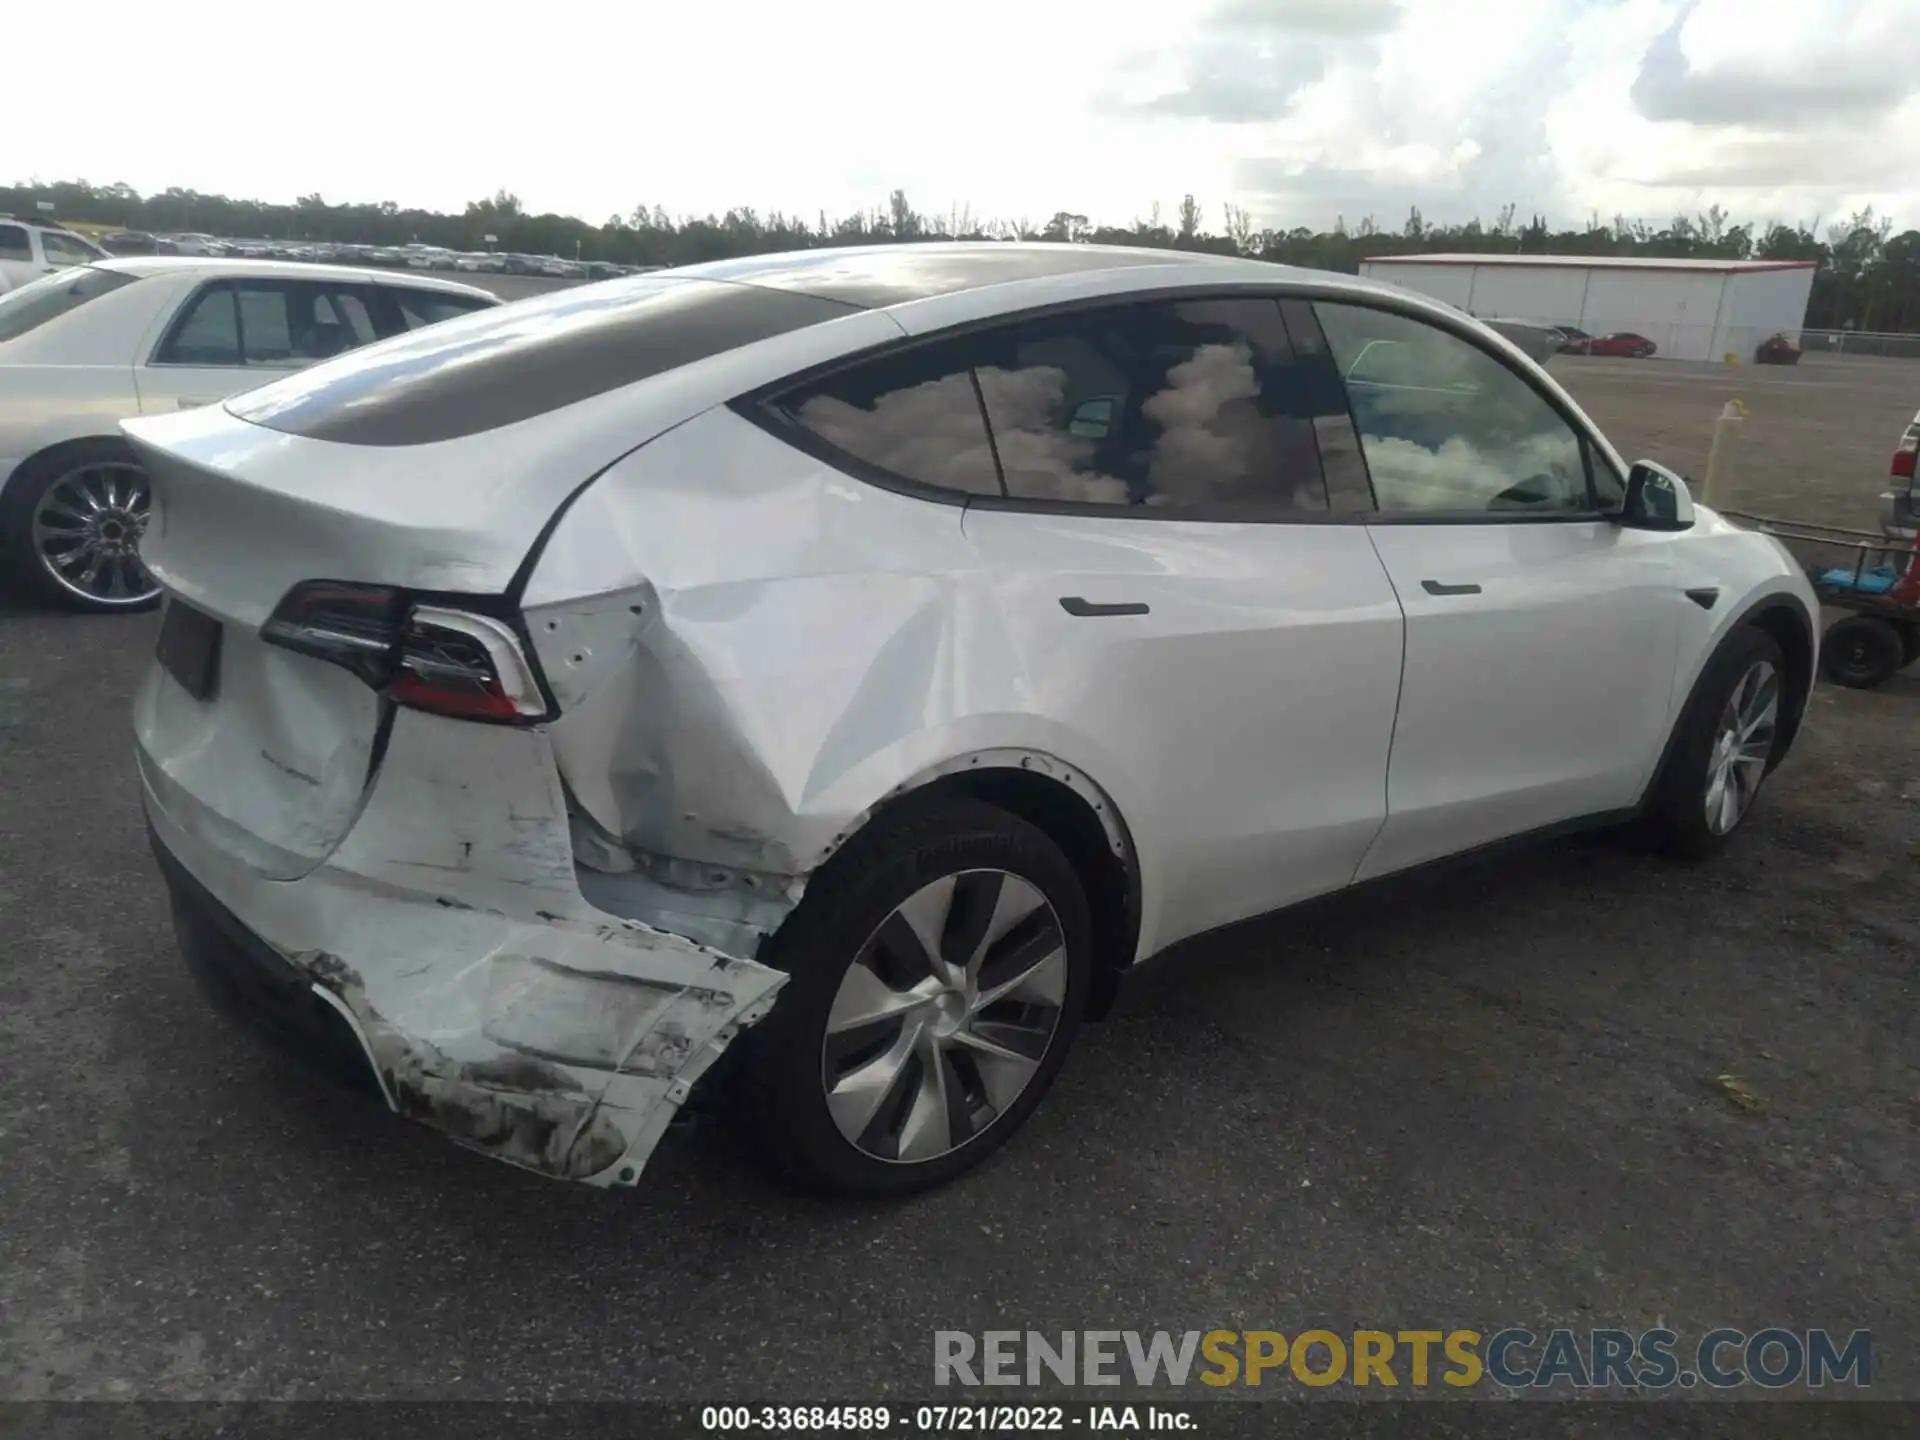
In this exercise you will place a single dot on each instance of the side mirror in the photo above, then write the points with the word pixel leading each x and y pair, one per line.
pixel 1657 499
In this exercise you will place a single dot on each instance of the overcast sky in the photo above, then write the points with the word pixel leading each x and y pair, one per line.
pixel 1299 110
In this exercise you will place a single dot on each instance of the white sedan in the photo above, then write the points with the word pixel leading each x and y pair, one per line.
pixel 87 347
pixel 865 656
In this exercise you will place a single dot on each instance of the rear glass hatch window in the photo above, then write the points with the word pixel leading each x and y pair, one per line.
pixel 500 366
pixel 33 305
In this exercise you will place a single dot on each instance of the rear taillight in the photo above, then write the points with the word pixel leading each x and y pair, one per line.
pixel 1903 458
pixel 422 654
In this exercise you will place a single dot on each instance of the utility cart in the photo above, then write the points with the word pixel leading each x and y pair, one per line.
pixel 1875 580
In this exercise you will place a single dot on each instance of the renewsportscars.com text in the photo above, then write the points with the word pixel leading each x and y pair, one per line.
pixel 1514 1358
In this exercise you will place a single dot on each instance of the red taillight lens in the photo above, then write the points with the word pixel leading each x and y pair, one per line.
pixel 1903 458
pixel 423 655
pixel 352 626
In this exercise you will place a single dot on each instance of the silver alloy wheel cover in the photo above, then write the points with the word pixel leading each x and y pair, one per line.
pixel 86 532
pixel 944 1016
pixel 1742 745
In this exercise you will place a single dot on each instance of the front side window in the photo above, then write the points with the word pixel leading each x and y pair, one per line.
pixel 63 249
pixel 1445 427
pixel 914 414
pixel 14 244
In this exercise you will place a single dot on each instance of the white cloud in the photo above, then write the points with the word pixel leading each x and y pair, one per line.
pixel 1298 109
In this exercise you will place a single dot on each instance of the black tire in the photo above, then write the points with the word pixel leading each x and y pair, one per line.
pixel 780 1087
pixel 1862 651
pixel 24 492
pixel 1675 818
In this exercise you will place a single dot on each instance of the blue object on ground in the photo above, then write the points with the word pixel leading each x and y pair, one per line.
pixel 1868 582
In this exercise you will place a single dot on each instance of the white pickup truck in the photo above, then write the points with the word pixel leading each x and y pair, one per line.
pixel 29 250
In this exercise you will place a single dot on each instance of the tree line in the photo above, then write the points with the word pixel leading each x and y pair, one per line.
pixel 1867 276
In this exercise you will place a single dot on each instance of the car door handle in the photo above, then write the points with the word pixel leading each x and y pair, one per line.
pixel 1438 587
pixel 1082 609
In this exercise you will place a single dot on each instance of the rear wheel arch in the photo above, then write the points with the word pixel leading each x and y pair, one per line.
pixel 1074 812
pixel 53 454
pixel 20 498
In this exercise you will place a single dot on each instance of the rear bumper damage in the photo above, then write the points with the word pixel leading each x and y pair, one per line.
pixel 447 945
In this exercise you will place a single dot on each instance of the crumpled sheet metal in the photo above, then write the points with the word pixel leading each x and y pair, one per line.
pixel 493 1001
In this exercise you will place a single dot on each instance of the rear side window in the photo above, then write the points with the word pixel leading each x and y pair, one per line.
pixel 32 306
pixel 915 415
pixel 1181 406
pixel 430 307
pixel 14 244
pixel 208 333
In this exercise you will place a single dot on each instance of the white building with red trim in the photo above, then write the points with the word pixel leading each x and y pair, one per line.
pixel 1690 309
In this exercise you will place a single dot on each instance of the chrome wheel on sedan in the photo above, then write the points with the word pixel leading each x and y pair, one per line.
pixel 944 1017
pixel 1742 746
pixel 86 530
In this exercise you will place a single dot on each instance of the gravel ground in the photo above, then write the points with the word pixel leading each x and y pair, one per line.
pixel 1485 1097
pixel 1815 443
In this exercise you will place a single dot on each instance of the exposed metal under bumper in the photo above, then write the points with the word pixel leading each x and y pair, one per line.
pixel 535 1028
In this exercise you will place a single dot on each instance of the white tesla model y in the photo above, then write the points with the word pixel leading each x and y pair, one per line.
pixel 861 657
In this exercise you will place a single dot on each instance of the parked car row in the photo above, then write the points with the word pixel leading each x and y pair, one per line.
pixel 411 256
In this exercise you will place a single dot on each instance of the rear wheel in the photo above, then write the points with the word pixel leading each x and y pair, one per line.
pixel 73 519
pixel 1726 743
pixel 1862 651
pixel 940 966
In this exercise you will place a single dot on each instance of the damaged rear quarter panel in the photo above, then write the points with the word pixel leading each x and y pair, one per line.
pixel 751 651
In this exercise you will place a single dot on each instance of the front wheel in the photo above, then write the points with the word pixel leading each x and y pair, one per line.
pixel 940 965
pixel 1726 743
pixel 73 518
